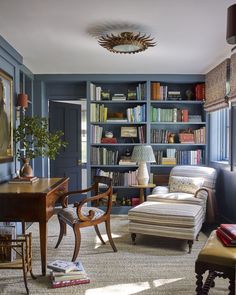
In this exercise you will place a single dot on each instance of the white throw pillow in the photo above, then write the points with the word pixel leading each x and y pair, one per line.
pixel 185 184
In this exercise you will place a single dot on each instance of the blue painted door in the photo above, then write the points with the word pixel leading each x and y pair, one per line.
pixel 67 117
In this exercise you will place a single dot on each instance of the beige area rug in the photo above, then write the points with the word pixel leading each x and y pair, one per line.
pixel 154 266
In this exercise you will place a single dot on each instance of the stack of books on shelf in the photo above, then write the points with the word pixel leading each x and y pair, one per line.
pixel 118 96
pixel 21 179
pixel 65 273
pixel 227 234
pixel 108 140
pixel 174 95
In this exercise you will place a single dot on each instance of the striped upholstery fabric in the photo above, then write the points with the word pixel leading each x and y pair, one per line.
pixel 170 219
pixel 178 214
pixel 70 214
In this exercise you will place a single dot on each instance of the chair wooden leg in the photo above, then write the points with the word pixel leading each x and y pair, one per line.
pixel 190 244
pixel 62 231
pixel 77 241
pixel 98 234
pixel 133 237
pixel 24 275
pixel 108 229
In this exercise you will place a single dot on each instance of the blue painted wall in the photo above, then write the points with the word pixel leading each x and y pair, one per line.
pixel 10 62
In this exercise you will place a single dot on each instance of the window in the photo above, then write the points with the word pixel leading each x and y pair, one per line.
pixel 219 135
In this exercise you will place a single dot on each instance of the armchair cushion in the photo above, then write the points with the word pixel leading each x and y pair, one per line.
pixel 185 184
pixel 70 213
pixel 177 197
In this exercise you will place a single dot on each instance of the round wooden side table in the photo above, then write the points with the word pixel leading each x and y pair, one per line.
pixel 141 188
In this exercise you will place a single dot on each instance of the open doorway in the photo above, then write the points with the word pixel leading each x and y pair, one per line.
pixel 70 117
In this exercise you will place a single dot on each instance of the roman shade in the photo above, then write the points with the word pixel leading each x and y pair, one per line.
pixel 232 96
pixel 216 87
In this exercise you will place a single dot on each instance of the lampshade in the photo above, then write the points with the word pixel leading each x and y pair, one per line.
pixel 22 100
pixel 126 42
pixel 231 25
pixel 143 153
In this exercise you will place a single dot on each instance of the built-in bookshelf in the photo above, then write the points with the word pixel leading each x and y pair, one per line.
pixel 177 125
pixel 172 122
pixel 120 109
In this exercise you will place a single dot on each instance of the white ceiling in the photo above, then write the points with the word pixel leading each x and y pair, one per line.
pixel 58 36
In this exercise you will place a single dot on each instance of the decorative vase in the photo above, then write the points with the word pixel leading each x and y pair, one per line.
pixel 26 169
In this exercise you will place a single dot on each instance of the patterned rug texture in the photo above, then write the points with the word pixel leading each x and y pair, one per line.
pixel 154 266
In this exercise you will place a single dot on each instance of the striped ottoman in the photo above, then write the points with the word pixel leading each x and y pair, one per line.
pixel 181 221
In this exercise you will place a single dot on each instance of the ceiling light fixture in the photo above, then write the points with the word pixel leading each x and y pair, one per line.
pixel 126 42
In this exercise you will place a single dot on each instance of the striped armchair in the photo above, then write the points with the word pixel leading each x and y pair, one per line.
pixel 179 210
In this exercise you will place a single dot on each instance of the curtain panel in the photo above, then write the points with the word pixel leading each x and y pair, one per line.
pixel 216 87
pixel 232 95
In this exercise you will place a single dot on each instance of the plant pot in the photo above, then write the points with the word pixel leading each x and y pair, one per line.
pixel 26 170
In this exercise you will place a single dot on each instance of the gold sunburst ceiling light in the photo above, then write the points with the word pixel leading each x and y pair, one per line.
pixel 126 42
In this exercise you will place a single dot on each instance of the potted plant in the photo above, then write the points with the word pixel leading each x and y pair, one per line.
pixel 34 141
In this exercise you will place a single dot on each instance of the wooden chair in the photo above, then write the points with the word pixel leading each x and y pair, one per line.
pixel 82 216
pixel 22 246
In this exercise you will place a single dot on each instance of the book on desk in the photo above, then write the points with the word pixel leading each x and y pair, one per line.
pixel 20 179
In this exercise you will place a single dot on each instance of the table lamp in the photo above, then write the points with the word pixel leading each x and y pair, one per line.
pixel 143 154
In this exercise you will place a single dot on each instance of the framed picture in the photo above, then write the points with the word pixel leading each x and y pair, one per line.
pixel 129 132
pixel 6 117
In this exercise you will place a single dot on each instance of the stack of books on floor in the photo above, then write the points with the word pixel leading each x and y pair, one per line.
pixel 227 234
pixel 65 273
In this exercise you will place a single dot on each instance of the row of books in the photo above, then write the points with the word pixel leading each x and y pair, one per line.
pixel 99 113
pixel 136 114
pixel 103 156
pixel 161 92
pixel 120 178
pixel 65 273
pixel 168 115
pixel 197 136
pixel 192 157
pixel 227 234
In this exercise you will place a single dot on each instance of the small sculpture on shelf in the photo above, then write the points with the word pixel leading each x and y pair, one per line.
pixel 171 138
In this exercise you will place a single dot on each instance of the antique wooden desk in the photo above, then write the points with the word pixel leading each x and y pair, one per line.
pixel 32 203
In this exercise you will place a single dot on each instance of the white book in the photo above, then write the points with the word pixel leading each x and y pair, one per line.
pixel 64 266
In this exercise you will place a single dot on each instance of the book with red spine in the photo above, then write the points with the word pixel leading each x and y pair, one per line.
pixel 61 284
pixel 230 229
pixel 185 115
pixel 228 238
pixel 224 240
